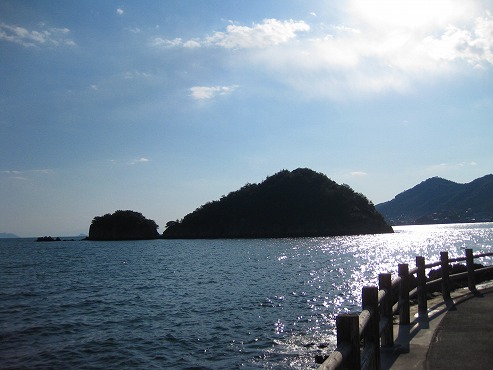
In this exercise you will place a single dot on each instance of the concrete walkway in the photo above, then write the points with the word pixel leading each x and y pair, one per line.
pixel 454 335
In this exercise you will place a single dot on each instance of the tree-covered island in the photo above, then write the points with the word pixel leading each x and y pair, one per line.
pixel 123 225
pixel 299 203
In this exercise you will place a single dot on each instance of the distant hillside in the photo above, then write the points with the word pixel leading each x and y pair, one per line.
pixel 7 236
pixel 288 204
pixel 437 200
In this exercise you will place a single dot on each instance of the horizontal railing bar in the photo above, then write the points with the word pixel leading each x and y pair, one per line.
pixel 413 271
pixel 413 292
pixel 458 259
pixel 458 275
pixel 434 264
pixel 483 269
pixel 431 283
pixel 489 254
pixel 451 260
pixel 395 308
pixel 396 281
pixel 381 296
pixel 364 318
pixel 336 358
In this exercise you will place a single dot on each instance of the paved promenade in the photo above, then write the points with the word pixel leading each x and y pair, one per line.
pixel 453 335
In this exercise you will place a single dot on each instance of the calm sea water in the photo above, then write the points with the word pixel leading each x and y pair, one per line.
pixel 201 304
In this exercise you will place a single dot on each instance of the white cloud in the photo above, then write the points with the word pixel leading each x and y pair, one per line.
pixel 270 32
pixel 11 172
pixel 119 11
pixel 358 173
pixel 132 75
pixel 36 38
pixel 475 46
pixel 209 92
pixel 140 160
pixel 376 47
pixel 24 175
pixel 192 44
pixel 160 42
pixel 381 47
pixel 450 166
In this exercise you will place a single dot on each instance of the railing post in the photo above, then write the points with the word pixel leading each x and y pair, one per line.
pixel 421 277
pixel 471 280
pixel 372 332
pixel 404 314
pixel 385 284
pixel 348 331
pixel 445 275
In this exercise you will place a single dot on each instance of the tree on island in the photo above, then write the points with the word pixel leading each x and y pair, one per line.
pixel 123 225
pixel 299 203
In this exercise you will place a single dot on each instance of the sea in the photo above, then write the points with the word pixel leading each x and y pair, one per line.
pixel 198 304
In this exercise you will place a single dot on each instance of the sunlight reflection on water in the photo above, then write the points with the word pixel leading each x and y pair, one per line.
pixel 341 266
pixel 220 304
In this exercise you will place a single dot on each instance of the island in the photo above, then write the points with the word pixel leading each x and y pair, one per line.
pixel 123 225
pixel 298 203
pixel 48 239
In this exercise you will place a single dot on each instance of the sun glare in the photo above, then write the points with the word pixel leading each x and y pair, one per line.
pixel 408 13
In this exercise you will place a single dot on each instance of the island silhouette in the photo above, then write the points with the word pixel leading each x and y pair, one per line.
pixel 298 203
pixel 123 225
pixel 288 204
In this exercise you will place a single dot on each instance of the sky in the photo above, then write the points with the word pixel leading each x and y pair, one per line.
pixel 162 106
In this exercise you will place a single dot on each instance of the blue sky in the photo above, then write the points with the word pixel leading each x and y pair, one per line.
pixel 162 106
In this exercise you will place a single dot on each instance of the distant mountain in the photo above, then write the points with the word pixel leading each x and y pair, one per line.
pixel 437 200
pixel 297 203
pixel 7 236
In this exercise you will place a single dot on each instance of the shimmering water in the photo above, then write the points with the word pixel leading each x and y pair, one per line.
pixel 201 304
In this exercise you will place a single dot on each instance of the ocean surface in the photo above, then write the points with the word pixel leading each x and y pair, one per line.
pixel 197 304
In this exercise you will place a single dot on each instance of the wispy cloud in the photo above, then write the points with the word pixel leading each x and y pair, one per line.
pixel 475 46
pixel 382 50
pixel 162 42
pixel 24 175
pixel 44 36
pixel 358 173
pixel 140 160
pixel 210 92
pixel 450 166
pixel 119 11
pixel 270 32
pixel 376 47
pixel 132 75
